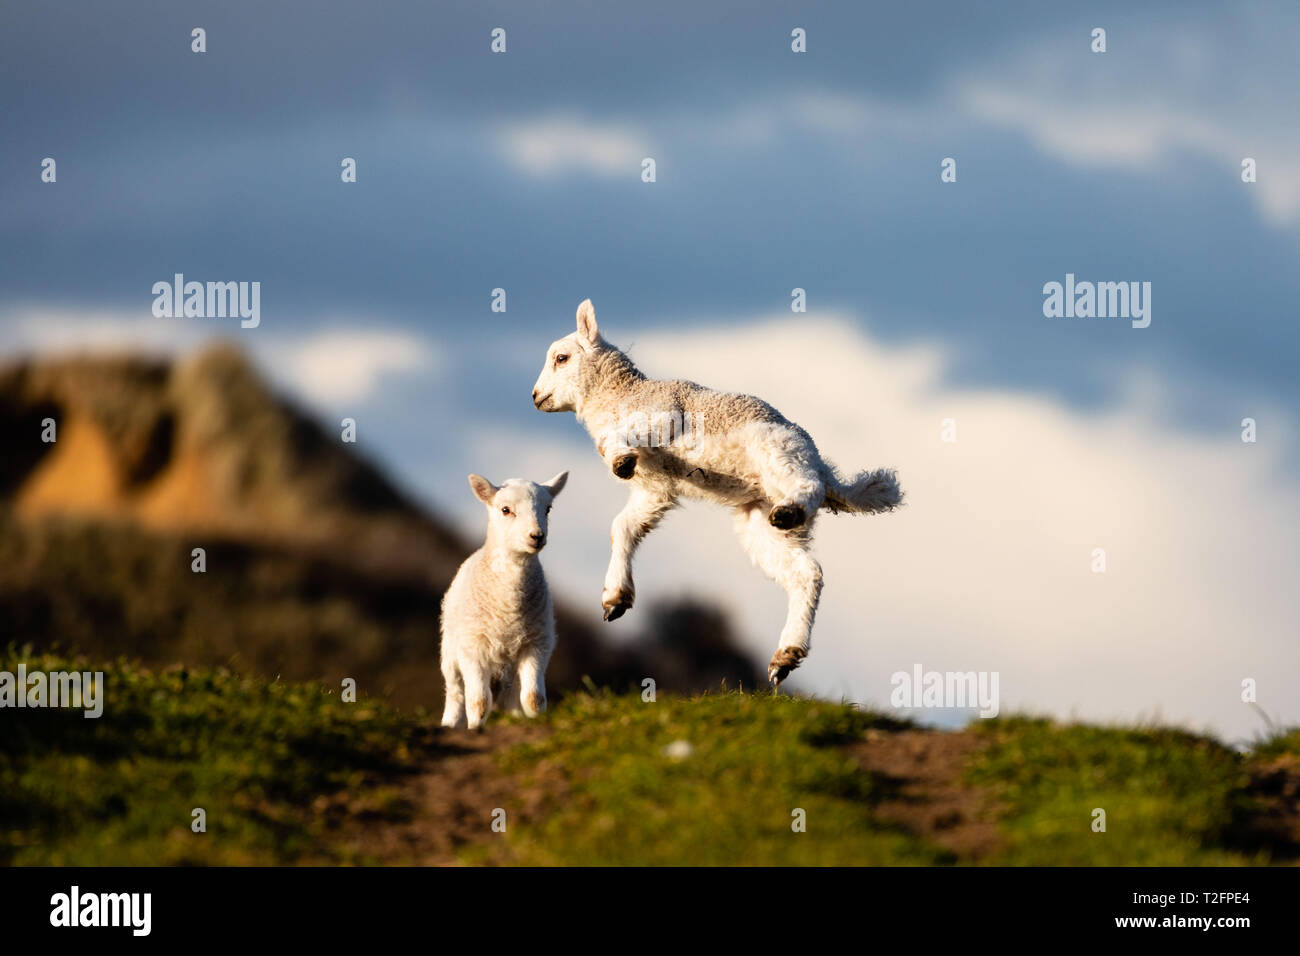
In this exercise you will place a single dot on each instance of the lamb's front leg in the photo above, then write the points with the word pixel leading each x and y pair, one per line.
pixel 478 694
pixel 532 681
pixel 643 511
pixel 621 457
pixel 506 695
pixel 453 711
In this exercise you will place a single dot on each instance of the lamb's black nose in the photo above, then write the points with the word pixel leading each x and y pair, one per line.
pixel 534 396
pixel 538 538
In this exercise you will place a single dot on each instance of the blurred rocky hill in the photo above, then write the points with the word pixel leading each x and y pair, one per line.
pixel 318 568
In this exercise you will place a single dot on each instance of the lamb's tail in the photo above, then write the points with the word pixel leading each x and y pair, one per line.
pixel 870 492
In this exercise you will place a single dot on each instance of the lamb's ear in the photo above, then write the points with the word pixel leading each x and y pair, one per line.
pixel 483 489
pixel 587 330
pixel 556 484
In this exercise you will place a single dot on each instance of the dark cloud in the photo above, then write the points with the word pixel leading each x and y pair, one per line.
pixel 226 166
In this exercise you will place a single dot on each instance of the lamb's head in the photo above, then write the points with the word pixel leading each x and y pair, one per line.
pixel 517 511
pixel 569 365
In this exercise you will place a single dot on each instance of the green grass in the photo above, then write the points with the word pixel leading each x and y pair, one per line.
pixel 253 754
pixel 1170 798
pixel 710 780
pixel 754 759
pixel 1281 743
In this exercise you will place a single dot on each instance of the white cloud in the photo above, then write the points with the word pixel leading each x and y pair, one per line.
pixel 1092 134
pixel 564 143
pixel 988 566
pixel 1187 94
pixel 96 330
pixel 1183 96
pixel 559 144
pixel 348 366
pixel 344 362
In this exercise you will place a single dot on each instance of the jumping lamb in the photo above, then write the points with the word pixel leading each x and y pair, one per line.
pixel 497 619
pixel 674 438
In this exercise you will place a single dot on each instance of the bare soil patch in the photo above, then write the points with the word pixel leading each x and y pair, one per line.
pixel 1275 824
pixel 927 795
pixel 447 805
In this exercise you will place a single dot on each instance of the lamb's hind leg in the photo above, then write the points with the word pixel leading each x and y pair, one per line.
pixel 789 471
pixel 784 557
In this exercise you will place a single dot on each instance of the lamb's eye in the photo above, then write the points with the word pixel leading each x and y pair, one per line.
pixel 548 509
pixel 561 359
pixel 505 510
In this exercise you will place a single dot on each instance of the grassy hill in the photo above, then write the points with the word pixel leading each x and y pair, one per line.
pixel 289 773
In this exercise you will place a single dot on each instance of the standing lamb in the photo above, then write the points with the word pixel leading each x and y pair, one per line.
pixel 673 438
pixel 497 618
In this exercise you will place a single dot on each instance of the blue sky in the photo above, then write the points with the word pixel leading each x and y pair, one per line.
pixel 774 171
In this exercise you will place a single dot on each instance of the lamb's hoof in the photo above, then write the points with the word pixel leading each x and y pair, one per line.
pixel 616 604
pixel 624 466
pixel 785 517
pixel 784 661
